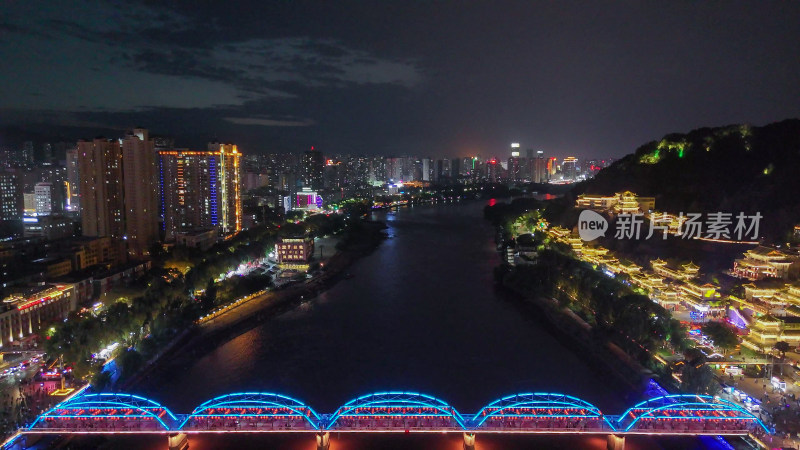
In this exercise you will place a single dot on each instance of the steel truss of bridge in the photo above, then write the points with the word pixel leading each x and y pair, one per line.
pixel 544 413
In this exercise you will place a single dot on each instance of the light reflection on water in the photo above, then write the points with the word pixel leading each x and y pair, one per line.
pixel 356 441
pixel 421 313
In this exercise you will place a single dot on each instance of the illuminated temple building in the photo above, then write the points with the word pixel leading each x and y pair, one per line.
pixel 766 331
pixel 765 262
pixel 201 189
pixel 620 203
pixel 686 272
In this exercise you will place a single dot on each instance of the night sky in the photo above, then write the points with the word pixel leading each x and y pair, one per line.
pixel 589 79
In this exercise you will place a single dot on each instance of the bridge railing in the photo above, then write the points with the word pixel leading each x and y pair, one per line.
pixel 253 411
pixel 689 414
pixel 106 413
pixel 400 409
pixel 397 411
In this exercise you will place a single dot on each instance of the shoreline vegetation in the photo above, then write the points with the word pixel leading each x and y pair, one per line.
pixel 137 325
pixel 604 356
pixel 613 326
pixel 197 340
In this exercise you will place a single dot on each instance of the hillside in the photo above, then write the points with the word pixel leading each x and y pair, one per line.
pixel 728 169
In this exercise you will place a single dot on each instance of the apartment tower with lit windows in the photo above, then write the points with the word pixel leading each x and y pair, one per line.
pixel 200 189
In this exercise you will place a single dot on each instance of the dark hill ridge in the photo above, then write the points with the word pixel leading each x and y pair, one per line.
pixel 729 169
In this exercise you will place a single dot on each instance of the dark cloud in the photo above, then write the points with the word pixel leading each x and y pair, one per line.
pixel 439 78
pixel 269 122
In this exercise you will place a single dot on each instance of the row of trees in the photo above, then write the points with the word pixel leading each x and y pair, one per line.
pixel 142 325
pixel 611 306
pixel 632 320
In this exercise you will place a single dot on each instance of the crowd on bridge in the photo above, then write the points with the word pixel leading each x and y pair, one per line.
pixel 396 423
pixel 249 423
pixel 692 426
pixel 545 424
pixel 104 424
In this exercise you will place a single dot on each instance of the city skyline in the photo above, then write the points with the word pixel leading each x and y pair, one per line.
pixel 591 81
pixel 214 215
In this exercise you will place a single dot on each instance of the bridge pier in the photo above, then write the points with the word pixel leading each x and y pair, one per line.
pixel 323 441
pixel 615 442
pixel 469 441
pixel 178 441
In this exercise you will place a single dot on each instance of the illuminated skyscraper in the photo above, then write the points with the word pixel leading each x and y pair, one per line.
pixel 201 189
pixel 73 181
pixel 552 166
pixel 427 169
pixel 43 194
pixel 312 167
pixel 570 168
pixel 118 190
pixel 102 207
pixel 515 167
pixel 10 196
pixel 539 166
pixel 493 170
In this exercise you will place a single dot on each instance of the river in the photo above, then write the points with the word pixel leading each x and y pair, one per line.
pixel 421 313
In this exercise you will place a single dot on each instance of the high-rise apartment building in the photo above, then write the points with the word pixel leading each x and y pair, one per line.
pixel 101 188
pixel 493 170
pixel 427 169
pixel 10 196
pixel 394 168
pixel 140 191
pixel 27 153
pixel 515 167
pixel 455 168
pixel 72 200
pixel 552 166
pixel 47 153
pixel 43 193
pixel 200 189
pixel 539 166
pixel 570 168
pixel 312 168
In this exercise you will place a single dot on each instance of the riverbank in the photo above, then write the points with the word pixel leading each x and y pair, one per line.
pixel 605 355
pixel 580 337
pixel 209 334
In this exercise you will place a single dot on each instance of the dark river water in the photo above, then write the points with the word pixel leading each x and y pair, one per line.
pixel 421 313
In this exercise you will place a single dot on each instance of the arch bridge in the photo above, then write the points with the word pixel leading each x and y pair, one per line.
pixel 397 411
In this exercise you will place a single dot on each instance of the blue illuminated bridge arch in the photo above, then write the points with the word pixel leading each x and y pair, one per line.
pixel 556 412
pixel 688 414
pixel 252 411
pixel 107 413
pixel 397 411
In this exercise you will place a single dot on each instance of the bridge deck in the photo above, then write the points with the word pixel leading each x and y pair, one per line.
pixel 396 412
